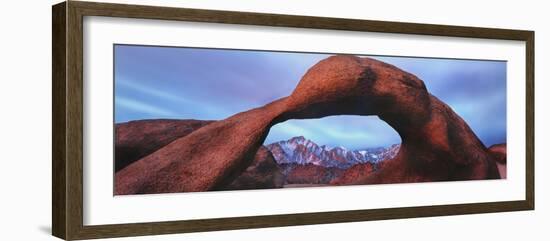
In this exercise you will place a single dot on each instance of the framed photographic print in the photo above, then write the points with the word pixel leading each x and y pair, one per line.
pixel 170 120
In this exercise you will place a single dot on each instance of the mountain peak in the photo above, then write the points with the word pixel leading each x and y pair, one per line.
pixel 298 139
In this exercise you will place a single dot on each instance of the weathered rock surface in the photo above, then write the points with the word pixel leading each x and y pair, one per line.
pixel 437 145
pixel 498 151
pixel 136 139
pixel 139 138
pixel 263 173
pixel 207 159
pixel 354 174
pixel 309 173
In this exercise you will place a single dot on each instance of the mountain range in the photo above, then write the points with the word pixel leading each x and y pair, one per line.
pixel 301 151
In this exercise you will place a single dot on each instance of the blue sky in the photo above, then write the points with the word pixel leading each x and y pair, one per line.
pixel 213 84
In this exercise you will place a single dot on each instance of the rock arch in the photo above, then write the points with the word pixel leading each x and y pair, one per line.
pixel 436 143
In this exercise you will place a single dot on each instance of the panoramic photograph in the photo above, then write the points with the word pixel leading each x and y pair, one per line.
pixel 200 119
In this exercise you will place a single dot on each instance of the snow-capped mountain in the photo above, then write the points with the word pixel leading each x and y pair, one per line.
pixel 299 150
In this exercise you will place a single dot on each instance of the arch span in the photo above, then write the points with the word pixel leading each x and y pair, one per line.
pixel 436 143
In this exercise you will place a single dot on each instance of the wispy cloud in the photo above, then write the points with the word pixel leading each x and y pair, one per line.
pixel 160 97
pixel 150 90
pixel 145 108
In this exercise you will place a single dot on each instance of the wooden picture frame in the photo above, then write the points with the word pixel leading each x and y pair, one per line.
pixel 67 152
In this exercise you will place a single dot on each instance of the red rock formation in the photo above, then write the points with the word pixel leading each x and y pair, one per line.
pixel 354 173
pixel 437 145
pixel 263 173
pixel 498 152
pixel 143 137
pixel 310 174
pixel 136 139
pixel 209 158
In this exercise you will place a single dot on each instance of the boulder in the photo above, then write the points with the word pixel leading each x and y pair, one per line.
pixel 263 173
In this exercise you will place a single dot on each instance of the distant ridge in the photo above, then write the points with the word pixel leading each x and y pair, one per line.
pixel 299 150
